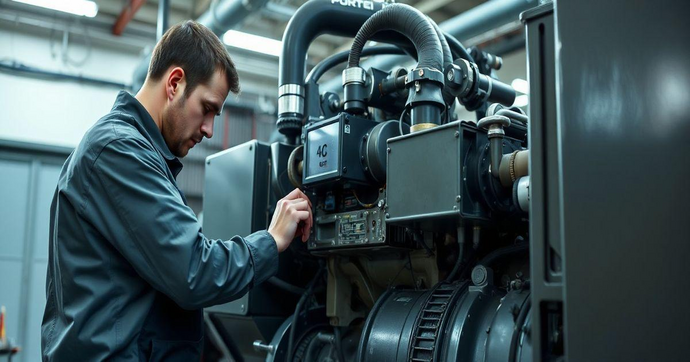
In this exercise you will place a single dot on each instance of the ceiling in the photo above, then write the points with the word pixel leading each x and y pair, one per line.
pixel 139 36
pixel 270 21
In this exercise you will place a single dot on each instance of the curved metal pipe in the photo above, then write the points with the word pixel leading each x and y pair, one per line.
pixel 312 19
pixel 317 17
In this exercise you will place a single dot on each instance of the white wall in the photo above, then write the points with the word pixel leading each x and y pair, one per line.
pixel 49 111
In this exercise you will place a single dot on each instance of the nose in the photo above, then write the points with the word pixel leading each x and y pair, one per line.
pixel 207 127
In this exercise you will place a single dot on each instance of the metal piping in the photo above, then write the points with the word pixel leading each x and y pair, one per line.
pixel 220 17
pixel 163 18
pixel 311 20
pixel 475 21
pixel 223 15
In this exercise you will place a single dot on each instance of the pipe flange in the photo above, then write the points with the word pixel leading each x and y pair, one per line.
pixel 461 78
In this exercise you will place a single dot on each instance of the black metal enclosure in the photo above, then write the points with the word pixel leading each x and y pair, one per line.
pixel 623 105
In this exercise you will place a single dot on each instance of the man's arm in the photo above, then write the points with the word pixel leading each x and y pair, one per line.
pixel 141 212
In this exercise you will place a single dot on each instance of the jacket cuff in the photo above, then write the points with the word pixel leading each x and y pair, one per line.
pixel 264 252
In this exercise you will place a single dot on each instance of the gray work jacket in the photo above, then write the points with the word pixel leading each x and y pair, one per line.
pixel 129 268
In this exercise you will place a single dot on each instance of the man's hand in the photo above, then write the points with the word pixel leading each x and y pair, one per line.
pixel 292 218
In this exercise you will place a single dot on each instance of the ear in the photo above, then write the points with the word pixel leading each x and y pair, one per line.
pixel 174 83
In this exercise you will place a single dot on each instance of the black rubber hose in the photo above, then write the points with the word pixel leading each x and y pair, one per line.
pixel 457 49
pixel 519 324
pixel 325 65
pixel 448 98
pixel 447 55
pixel 499 254
pixel 405 20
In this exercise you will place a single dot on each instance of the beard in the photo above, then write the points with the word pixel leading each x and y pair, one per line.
pixel 173 131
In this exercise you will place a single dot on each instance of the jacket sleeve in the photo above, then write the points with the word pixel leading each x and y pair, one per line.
pixel 142 213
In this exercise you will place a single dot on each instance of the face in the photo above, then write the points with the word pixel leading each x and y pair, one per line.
pixel 186 120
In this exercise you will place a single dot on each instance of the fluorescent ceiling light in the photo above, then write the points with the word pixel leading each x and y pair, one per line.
pixel 521 100
pixel 520 85
pixel 253 42
pixel 76 7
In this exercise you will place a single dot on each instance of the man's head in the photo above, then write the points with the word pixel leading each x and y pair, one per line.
pixel 188 80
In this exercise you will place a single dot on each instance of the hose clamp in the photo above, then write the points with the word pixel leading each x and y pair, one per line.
pixel 291 99
pixel 424 74
pixel 290 89
pixel 511 166
pixel 290 103
pixel 354 75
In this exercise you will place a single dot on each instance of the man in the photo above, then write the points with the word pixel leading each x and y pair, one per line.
pixel 129 268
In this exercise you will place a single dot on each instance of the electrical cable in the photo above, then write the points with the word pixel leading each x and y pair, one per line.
pixel 280 283
pixel 414 279
pixel 458 262
pixel 366 206
pixel 421 241
pixel 498 254
pixel 458 50
pixel 298 308
pixel 327 64
pixel 519 323
pixel 27 70
pixel 400 122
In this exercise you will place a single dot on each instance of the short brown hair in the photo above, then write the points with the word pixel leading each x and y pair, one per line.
pixel 198 51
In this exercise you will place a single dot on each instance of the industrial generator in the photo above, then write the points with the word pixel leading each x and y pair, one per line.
pixel 434 238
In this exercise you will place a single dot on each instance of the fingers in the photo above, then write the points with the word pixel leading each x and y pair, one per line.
pixel 297 194
pixel 305 228
pixel 300 204
pixel 297 208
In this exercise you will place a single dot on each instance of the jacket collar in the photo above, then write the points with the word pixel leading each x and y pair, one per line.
pixel 126 103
